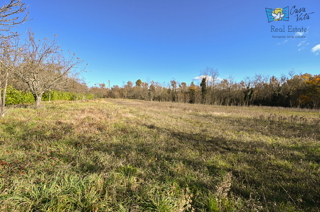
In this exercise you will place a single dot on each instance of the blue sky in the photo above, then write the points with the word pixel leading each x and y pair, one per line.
pixel 161 40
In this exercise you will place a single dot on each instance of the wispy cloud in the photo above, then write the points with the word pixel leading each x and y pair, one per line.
pixel 316 49
pixel 302 33
pixel 299 34
pixel 282 42
pixel 208 78
pixel 301 43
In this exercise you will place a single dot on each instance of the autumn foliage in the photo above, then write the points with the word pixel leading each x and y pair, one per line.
pixel 301 90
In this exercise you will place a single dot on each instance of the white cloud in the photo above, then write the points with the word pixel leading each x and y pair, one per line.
pixel 315 49
pixel 282 42
pixel 301 43
pixel 208 78
pixel 218 79
pixel 299 34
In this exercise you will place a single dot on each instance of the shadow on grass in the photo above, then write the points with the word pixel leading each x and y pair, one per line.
pixel 270 174
pixel 272 127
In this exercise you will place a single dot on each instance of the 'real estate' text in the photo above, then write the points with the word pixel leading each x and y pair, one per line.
pixel 290 28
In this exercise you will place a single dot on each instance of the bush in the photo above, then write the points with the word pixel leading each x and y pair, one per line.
pixel 61 95
pixel 15 96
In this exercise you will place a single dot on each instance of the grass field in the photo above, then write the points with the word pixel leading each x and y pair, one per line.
pixel 130 155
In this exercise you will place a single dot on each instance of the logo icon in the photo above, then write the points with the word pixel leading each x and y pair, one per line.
pixel 278 14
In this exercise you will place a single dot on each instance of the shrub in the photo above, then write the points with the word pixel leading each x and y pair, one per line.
pixel 15 96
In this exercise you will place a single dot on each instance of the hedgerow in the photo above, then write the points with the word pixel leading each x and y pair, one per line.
pixel 15 96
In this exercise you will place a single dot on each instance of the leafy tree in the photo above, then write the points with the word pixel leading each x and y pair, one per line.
pixel 312 94
pixel 138 83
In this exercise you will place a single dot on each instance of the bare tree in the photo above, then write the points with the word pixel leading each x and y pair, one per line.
pixel 212 76
pixel 9 60
pixel 5 66
pixel 173 84
pixel 9 15
pixel 44 67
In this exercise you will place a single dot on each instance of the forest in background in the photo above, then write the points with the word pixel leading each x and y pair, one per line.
pixel 295 90
pixel 301 90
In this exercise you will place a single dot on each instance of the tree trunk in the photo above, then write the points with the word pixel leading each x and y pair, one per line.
pixel 1 104
pixel 37 98
pixel 1 109
pixel 3 97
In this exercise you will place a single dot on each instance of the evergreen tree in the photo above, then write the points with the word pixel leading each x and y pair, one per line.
pixel 203 89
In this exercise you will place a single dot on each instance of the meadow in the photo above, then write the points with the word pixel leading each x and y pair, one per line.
pixel 132 155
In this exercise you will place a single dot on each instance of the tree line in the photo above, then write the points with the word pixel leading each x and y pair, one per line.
pixel 294 90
